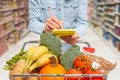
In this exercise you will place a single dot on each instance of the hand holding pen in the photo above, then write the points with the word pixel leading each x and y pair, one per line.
pixel 52 22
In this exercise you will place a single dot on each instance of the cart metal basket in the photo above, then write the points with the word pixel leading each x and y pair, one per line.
pixel 63 76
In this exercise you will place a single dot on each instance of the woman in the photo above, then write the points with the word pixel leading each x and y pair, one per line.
pixel 46 15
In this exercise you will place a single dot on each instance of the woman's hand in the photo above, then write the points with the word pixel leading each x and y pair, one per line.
pixel 71 39
pixel 52 23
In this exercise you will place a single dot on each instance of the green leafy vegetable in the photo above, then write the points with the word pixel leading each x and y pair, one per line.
pixel 67 58
pixel 14 60
pixel 53 43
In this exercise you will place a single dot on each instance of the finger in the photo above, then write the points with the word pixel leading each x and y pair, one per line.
pixel 53 23
pixel 47 29
pixel 50 26
pixel 64 38
pixel 67 38
pixel 60 23
pixel 75 36
pixel 48 23
pixel 71 41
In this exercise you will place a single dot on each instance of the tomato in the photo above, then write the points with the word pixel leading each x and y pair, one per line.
pixel 73 71
pixel 83 62
pixel 93 71
pixel 94 77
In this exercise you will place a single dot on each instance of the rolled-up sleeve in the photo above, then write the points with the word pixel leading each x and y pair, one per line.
pixel 35 17
pixel 81 23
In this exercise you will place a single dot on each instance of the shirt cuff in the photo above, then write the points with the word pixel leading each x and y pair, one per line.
pixel 37 27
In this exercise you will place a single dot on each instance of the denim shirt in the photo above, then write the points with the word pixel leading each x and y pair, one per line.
pixel 72 12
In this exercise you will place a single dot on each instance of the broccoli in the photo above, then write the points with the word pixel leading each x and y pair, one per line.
pixel 67 58
pixel 53 43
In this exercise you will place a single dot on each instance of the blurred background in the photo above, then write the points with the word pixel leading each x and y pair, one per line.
pixel 103 33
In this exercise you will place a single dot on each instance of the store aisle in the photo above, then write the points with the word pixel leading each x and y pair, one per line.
pixel 102 49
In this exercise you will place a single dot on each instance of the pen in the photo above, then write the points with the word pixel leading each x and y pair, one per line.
pixel 52 14
pixel 50 11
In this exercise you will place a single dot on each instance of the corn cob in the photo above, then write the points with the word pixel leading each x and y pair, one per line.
pixel 63 32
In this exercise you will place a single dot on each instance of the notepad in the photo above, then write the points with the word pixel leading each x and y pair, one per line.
pixel 63 32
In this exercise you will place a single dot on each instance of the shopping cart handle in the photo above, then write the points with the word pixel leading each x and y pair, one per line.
pixel 27 42
pixel 84 42
pixel 37 41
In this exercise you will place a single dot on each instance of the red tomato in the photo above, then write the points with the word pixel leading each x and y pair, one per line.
pixel 83 62
pixel 73 71
pixel 93 72
pixel 94 77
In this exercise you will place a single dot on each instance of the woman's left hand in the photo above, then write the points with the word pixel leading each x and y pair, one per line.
pixel 71 39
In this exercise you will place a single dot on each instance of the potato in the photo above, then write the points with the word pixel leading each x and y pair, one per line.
pixel 17 70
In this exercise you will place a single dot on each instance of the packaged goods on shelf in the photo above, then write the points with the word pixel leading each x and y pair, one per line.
pixel 0 4
pixel 6 3
pixel 2 29
pixel 9 26
pixel 6 14
pixel 12 38
pixel 107 18
pixel 15 13
pixel 7 41
pixel 118 45
pixel 3 45
pixel 13 22
pixel 115 41
pixel 117 31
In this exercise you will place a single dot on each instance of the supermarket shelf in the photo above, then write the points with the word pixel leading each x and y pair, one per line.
pixel 111 8
pixel 117 2
pixel 101 14
pixel 10 8
pixel 101 9
pixel 109 3
pixel 111 32
pixel 111 26
pixel 110 14
pixel 2 35
pixel 117 13
pixel 106 41
pixel 7 20
pixel 116 24
pixel 94 21
pixel 94 12
pixel 100 4
pixel 13 16
pixel 109 19
pixel 94 16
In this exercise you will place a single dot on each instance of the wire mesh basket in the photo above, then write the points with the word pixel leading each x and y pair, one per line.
pixel 58 76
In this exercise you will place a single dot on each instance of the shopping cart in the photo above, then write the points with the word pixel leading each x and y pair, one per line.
pixel 65 76
pixel 56 76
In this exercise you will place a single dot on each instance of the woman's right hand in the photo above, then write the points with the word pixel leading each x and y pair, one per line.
pixel 52 23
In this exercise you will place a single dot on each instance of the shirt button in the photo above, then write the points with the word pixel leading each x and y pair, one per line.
pixel 71 6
